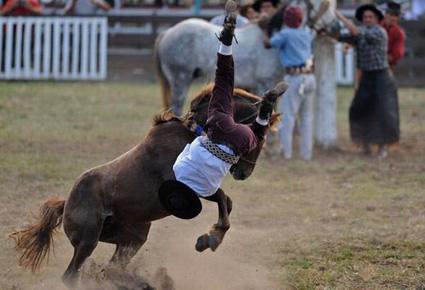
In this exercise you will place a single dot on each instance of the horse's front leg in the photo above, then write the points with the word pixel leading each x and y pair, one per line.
pixel 215 236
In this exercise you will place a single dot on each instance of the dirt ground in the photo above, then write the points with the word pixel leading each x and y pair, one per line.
pixel 341 221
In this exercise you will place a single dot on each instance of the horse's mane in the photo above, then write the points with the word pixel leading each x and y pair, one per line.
pixel 207 90
pixel 205 93
pixel 164 117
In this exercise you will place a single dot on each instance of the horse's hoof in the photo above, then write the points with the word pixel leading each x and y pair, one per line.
pixel 213 242
pixel 202 243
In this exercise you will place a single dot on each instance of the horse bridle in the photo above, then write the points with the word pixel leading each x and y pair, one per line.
pixel 247 160
pixel 252 115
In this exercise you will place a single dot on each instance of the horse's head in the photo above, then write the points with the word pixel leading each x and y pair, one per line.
pixel 246 164
pixel 246 109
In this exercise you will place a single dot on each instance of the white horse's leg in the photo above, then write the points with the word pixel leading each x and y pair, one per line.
pixel 179 87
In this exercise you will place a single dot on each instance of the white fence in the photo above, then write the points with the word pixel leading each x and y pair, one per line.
pixel 60 48
pixel 75 48
pixel 344 65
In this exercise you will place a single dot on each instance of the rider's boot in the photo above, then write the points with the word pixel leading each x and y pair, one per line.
pixel 270 98
pixel 228 31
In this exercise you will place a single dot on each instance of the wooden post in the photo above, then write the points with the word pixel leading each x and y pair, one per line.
pixel 326 102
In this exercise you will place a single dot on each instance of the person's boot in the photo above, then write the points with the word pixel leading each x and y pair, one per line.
pixel 268 103
pixel 270 98
pixel 228 31
pixel 277 91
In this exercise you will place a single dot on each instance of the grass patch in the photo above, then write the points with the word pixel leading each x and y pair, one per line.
pixel 341 221
pixel 358 264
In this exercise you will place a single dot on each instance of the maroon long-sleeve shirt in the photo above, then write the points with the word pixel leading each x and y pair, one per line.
pixel 221 127
pixel 396 38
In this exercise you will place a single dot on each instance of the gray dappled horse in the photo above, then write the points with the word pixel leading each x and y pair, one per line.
pixel 188 50
pixel 117 201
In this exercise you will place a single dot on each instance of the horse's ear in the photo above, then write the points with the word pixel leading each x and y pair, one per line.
pixel 275 120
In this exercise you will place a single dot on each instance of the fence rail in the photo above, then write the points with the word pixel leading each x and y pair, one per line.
pixel 60 48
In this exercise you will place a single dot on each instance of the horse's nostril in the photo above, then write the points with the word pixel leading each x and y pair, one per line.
pixel 240 175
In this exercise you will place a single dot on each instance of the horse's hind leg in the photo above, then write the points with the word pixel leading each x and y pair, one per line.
pixel 179 87
pixel 83 220
pixel 128 242
pixel 81 251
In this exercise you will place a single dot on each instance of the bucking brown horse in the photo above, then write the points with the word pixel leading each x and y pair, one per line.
pixel 117 201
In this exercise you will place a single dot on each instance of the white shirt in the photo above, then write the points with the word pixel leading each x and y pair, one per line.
pixel 199 169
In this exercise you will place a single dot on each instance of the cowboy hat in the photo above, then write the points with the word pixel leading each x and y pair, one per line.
pixel 361 10
pixel 179 199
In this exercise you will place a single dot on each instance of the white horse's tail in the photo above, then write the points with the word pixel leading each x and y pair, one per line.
pixel 165 84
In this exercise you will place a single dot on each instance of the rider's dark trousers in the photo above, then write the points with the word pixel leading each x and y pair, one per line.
pixel 221 127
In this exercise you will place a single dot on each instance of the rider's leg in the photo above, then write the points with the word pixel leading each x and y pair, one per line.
pixel 222 96
pixel 266 109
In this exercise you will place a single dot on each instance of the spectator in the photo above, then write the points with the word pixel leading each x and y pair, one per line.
pixel 21 8
pixel 294 43
pixel 266 7
pixel 396 36
pixel 86 7
pixel 270 14
pixel 373 112
pixel 248 12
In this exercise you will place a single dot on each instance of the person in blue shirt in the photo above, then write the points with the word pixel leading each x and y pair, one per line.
pixel 294 43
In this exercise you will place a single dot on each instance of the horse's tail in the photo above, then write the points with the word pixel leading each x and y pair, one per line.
pixel 165 84
pixel 34 241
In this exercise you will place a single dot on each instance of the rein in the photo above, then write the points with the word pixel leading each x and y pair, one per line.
pixel 247 160
pixel 252 115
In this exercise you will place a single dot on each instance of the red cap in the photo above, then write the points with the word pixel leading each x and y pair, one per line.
pixel 293 16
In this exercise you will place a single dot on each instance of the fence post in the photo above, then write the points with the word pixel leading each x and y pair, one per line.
pixel 37 49
pixel 9 52
pixel 27 47
pixel 1 47
pixel 103 47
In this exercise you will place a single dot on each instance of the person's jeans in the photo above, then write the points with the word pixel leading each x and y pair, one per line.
pixel 298 102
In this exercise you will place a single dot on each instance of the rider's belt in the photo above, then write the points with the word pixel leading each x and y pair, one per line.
pixel 296 70
pixel 218 152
